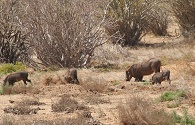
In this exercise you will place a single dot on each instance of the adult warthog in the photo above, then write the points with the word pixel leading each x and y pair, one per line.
pixel 161 76
pixel 141 69
pixel 15 77
pixel 71 76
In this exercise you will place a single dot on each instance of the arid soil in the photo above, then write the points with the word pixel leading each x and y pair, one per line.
pixel 103 89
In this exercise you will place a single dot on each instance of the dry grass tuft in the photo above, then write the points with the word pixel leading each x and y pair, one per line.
pixel 67 104
pixel 140 111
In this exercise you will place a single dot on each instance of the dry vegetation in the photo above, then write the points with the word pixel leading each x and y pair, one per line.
pixel 138 111
pixel 51 35
pixel 67 104
pixel 24 107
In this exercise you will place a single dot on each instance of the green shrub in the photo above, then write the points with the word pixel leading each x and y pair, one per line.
pixel 8 68
pixel 170 95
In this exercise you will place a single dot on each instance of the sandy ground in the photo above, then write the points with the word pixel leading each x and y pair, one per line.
pixel 106 113
pixel 116 92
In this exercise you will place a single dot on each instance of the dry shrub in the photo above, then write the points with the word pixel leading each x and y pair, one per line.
pixel 23 107
pixel 184 12
pixel 132 18
pixel 140 111
pixel 13 37
pixel 64 33
pixel 67 104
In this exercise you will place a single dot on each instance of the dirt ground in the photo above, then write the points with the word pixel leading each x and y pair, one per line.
pixel 114 91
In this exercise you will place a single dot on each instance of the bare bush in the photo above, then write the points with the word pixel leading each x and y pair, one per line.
pixel 140 111
pixel 131 19
pixel 13 37
pixel 184 12
pixel 157 19
pixel 64 33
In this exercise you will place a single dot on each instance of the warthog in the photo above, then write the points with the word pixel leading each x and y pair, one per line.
pixel 71 76
pixel 15 77
pixel 146 68
pixel 161 76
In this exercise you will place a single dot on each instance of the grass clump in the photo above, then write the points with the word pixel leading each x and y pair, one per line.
pixel 115 82
pixel 2 90
pixel 173 104
pixel 9 68
pixel 140 111
pixel 67 104
pixel 185 119
pixel 172 95
pixel 147 83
